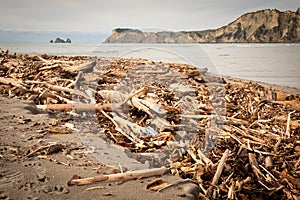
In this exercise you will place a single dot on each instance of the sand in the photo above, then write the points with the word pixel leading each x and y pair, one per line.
pixel 22 177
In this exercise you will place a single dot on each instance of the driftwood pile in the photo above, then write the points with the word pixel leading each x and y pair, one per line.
pixel 235 139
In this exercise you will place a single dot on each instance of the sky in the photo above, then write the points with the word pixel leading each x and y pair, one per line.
pixel 101 16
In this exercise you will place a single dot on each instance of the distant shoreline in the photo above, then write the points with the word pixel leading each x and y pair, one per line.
pixel 276 63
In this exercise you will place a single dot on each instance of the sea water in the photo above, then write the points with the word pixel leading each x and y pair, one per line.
pixel 270 63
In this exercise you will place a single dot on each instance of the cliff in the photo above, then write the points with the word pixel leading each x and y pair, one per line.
pixel 126 35
pixel 261 26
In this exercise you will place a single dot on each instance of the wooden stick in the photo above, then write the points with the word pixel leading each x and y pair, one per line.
pixel 268 162
pixel 78 107
pixel 277 145
pixel 133 94
pixel 204 158
pixel 106 115
pixel 131 128
pixel 177 183
pixel 49 67
pixel 240 184
pixel 287 132
pixel 294 105
pixel 10 81
pixel 220 167
pixel 131 175
pixel 218 172
pixel 231 191
pixel 84 67
pixel 271 175
pixel 53 61
pixel 254 166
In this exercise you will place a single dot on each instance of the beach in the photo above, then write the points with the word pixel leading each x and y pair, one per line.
pixel 217 136
pixel 274 63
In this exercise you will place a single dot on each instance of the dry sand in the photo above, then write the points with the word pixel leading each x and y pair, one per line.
pixel 22 127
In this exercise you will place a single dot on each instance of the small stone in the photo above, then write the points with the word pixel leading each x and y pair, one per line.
pixel 66 191
pixel 60 188
pixel 3 196
pixel 47 189
pixel 41 177
pixel 192 189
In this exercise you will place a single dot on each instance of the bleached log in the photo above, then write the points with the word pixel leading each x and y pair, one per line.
pixel 131 175
pixel 77 107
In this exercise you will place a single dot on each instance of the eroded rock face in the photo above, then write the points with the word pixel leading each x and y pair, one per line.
pixel 261 26
pixel 59 40
pixel 136 36
pixel 68 40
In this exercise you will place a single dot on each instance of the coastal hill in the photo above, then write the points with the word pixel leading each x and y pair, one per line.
pixel 262 26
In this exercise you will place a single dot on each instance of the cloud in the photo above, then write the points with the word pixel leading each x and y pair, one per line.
pixel 102 16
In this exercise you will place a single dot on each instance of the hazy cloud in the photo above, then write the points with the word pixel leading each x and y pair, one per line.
pixel 102 16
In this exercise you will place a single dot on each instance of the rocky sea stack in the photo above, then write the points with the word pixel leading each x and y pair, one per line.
pixel 59 40
pixel 264 26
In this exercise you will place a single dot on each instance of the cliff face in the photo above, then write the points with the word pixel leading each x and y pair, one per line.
pixel 136 36
pixel 261 26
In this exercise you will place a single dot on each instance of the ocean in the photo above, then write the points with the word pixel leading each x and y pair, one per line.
pixel 270 63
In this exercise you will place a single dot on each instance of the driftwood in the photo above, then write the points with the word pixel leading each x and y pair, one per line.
pixel 10 81
pixel 130 175
pixel 84 67
pixel 173 115
pixel 218 172
pixel 77 107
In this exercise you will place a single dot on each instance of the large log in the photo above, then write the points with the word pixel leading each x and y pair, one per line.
pixel 131 175
pixel 78 107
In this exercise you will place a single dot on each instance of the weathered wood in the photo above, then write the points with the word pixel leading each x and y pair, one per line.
pixel 131 175
pixel 77 107
pixel 219 171
pixel 10 81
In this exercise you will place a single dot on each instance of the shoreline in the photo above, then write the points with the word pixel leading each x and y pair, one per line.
pixel 276 64
pixel 40 172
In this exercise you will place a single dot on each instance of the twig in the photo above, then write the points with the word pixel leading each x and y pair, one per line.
pixel 133 94
pixel 254 165
pixel 118 127
pixel 269 173
pixel 220 167
pixel 204 157
pixel 194 157
pixel 218 172
pixel 96 187
pixel 231 192
pixel 268 162
pixel 175 184
pixel 241 183
pixel 108 117
pixel 49 67
pixel 276 146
